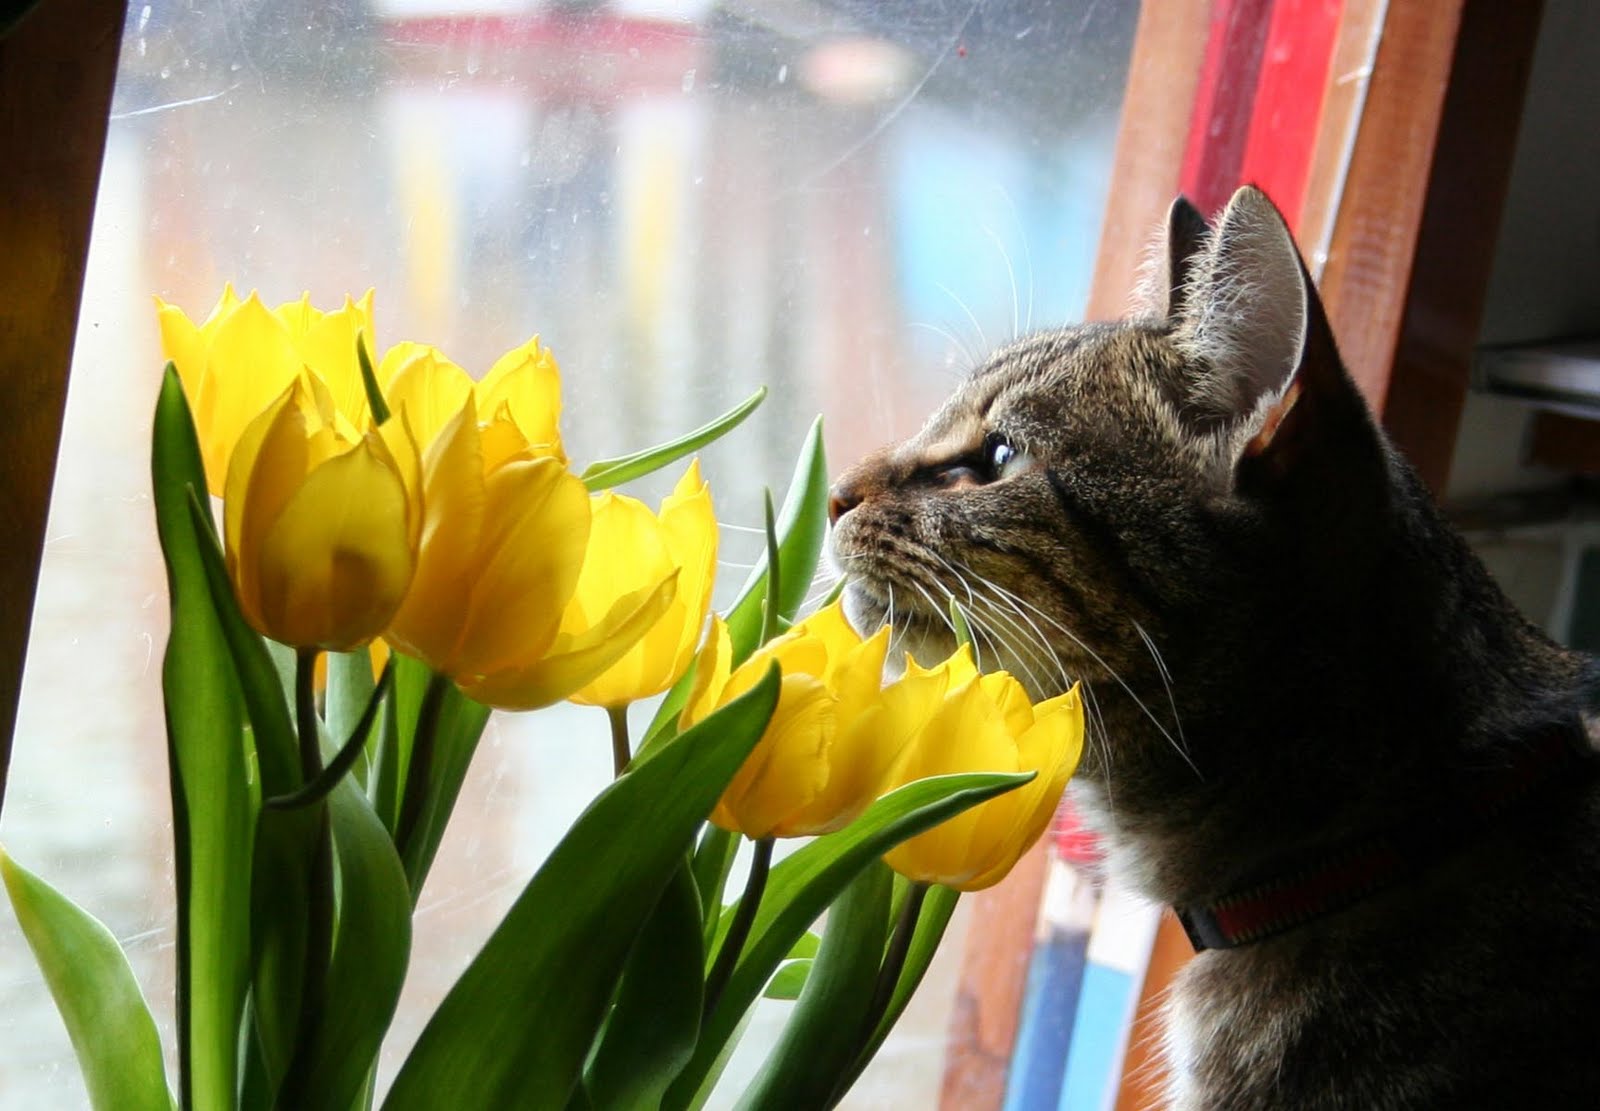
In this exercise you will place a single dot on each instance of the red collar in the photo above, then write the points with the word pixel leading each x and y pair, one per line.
pixel 1335 879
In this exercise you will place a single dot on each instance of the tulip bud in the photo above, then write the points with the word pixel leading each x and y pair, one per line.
pixel 986 723
pixel 320 531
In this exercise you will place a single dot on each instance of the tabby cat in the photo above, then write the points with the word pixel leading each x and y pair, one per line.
pixel 1319 729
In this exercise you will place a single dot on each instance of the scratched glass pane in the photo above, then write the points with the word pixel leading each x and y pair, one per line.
pixel 847 201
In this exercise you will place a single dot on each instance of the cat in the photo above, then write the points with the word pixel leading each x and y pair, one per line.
pixel 1311 706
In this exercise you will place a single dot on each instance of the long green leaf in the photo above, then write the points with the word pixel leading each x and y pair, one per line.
pixel 515 1029
pixel 279 878
pixel 802 526
pixel 713 860
pixel 370 950
pixel 277 748
pixel 605 473
pixel 350 686
pixel 789 981
pixel 460 727
pixel 821 1039
pixel 802 886
pixel 119 1051
pixel 937 907
pixel 653 1027
pixel 209 757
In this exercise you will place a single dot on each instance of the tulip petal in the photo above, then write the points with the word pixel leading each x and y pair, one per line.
pixel 1007 694
pixel 267 467
pixel 627 550
pixel 336 563
pixel 711 669
pixel 788 768
pixel 327 344
pixel 527 381
pixel 574 661
pixel 431 620
pixel 183 346
pixel 966 734
pixel 250 362
pixel 529 555
pixel 428 386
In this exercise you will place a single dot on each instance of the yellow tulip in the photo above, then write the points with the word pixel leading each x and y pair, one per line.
pixel 244 355
pixel 630 547
pixel 504 534
pixel 833 737
pixel 985 723
pixel 321 532
pixel 524 383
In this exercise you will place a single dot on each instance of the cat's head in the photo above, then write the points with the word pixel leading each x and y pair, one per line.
pixel 1166 507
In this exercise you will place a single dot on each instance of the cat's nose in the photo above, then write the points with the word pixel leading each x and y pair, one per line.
pixel 844 497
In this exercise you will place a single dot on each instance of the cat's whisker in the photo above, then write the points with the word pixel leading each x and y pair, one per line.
pixel 962 305
pixel 1083 646
pixel 1027 253
pixel 1166 679
pixel 1093 720
pixel 731 527
pixel 968 355
pixel 1033 635
pixel 1005 257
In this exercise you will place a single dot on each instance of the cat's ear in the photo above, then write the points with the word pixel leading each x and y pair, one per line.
pixel 1243 318
pixel 1187 235
pixel 1271 383
pixel 1169 269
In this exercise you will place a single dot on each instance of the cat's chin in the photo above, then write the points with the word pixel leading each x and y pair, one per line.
pixel 926 640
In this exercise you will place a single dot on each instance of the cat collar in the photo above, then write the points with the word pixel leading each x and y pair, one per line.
pixel 1336 879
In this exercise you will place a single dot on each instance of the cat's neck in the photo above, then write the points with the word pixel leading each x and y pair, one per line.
pixel 1375 701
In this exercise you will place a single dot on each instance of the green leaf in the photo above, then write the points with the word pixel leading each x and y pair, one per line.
pixel 350 686
pixel 516 1028
pixel 369 382
pixel 802 526
pixel 789 980
pixel 279 878
pixel 390 747
pixel 605 473
pixel 209 761
pixel 713 860
pixel 807 946
pixel 822 1037
pixel 370 950
pixel 937 907
pixel 460 726
pixel 260 681
pixel 801 887
pixel 958 622
pixel 119 1051
pixel 340 760
pixel 653 1027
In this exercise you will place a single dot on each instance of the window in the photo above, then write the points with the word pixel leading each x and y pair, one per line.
pixel 845 201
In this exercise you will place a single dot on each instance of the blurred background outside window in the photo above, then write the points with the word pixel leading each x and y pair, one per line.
pixel 846 201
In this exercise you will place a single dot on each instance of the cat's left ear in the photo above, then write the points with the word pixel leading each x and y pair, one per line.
pixel 1271 383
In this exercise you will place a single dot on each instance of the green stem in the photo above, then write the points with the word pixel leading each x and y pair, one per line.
pixel 420 766
pixel 319 893
pixel 894 963
pixel 739 929
pixel 621 750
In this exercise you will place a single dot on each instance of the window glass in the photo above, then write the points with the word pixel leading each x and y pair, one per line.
pixel 845 201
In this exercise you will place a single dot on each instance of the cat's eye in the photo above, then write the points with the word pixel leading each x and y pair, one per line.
pixel 1004 459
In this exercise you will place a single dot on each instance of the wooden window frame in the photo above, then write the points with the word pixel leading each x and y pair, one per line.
pixel 58 62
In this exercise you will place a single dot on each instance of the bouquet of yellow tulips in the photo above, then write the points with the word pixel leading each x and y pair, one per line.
pixel 394 510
